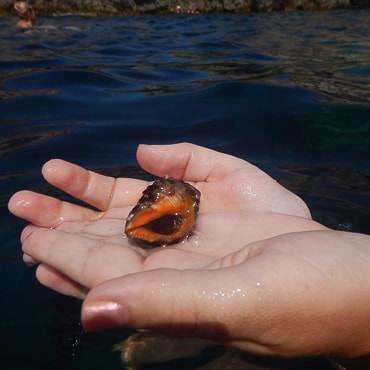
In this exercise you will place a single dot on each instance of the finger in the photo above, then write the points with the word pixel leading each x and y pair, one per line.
pixel 28 260
pixel 247 187
pixel 102 192
pixel 46 211
pixel 87 261
pixel 259 305
pixel 174 302
pixel 187 161
pixel 59 282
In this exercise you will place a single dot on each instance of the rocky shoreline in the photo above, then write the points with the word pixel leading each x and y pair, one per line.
pixel 122 7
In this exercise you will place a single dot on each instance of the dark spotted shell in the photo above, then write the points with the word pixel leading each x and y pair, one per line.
pixel 165 213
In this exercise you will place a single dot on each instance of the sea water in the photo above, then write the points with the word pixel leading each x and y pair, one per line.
pixel 287 91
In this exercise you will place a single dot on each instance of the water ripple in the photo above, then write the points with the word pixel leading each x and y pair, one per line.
pixel 287 91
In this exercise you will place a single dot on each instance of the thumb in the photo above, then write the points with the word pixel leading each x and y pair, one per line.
pixel 187 161
pixel 198 303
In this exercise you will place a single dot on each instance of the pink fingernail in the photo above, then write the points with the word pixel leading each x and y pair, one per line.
pixel 103 315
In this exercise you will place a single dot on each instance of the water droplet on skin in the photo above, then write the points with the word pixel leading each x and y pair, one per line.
pixel 195 239
pixel 22 203
pixel 60 221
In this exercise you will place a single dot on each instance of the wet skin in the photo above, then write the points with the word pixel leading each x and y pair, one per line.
pixel 257 274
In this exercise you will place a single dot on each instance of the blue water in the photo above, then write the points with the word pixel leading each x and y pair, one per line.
pixel 287 91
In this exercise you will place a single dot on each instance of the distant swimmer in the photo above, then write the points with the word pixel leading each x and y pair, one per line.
pixel 26 14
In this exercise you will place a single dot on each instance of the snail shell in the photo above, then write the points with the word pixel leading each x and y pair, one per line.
pixel 165 213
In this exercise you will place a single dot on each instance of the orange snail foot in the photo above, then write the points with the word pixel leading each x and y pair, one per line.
pixel 165 213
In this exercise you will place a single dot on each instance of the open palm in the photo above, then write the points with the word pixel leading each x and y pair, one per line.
pixel 78 248
pixel 257 274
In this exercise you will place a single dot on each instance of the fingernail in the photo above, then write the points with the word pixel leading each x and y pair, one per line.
pixel 103 315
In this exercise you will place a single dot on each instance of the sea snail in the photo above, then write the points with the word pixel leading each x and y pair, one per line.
pixel 164 214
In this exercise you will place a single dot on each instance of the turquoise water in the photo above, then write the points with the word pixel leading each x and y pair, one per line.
pixel 287 91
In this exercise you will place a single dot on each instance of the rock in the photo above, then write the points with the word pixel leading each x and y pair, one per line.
pixel 120 7
pixel 361 3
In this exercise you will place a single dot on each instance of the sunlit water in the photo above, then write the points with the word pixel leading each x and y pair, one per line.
pixel 287 91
